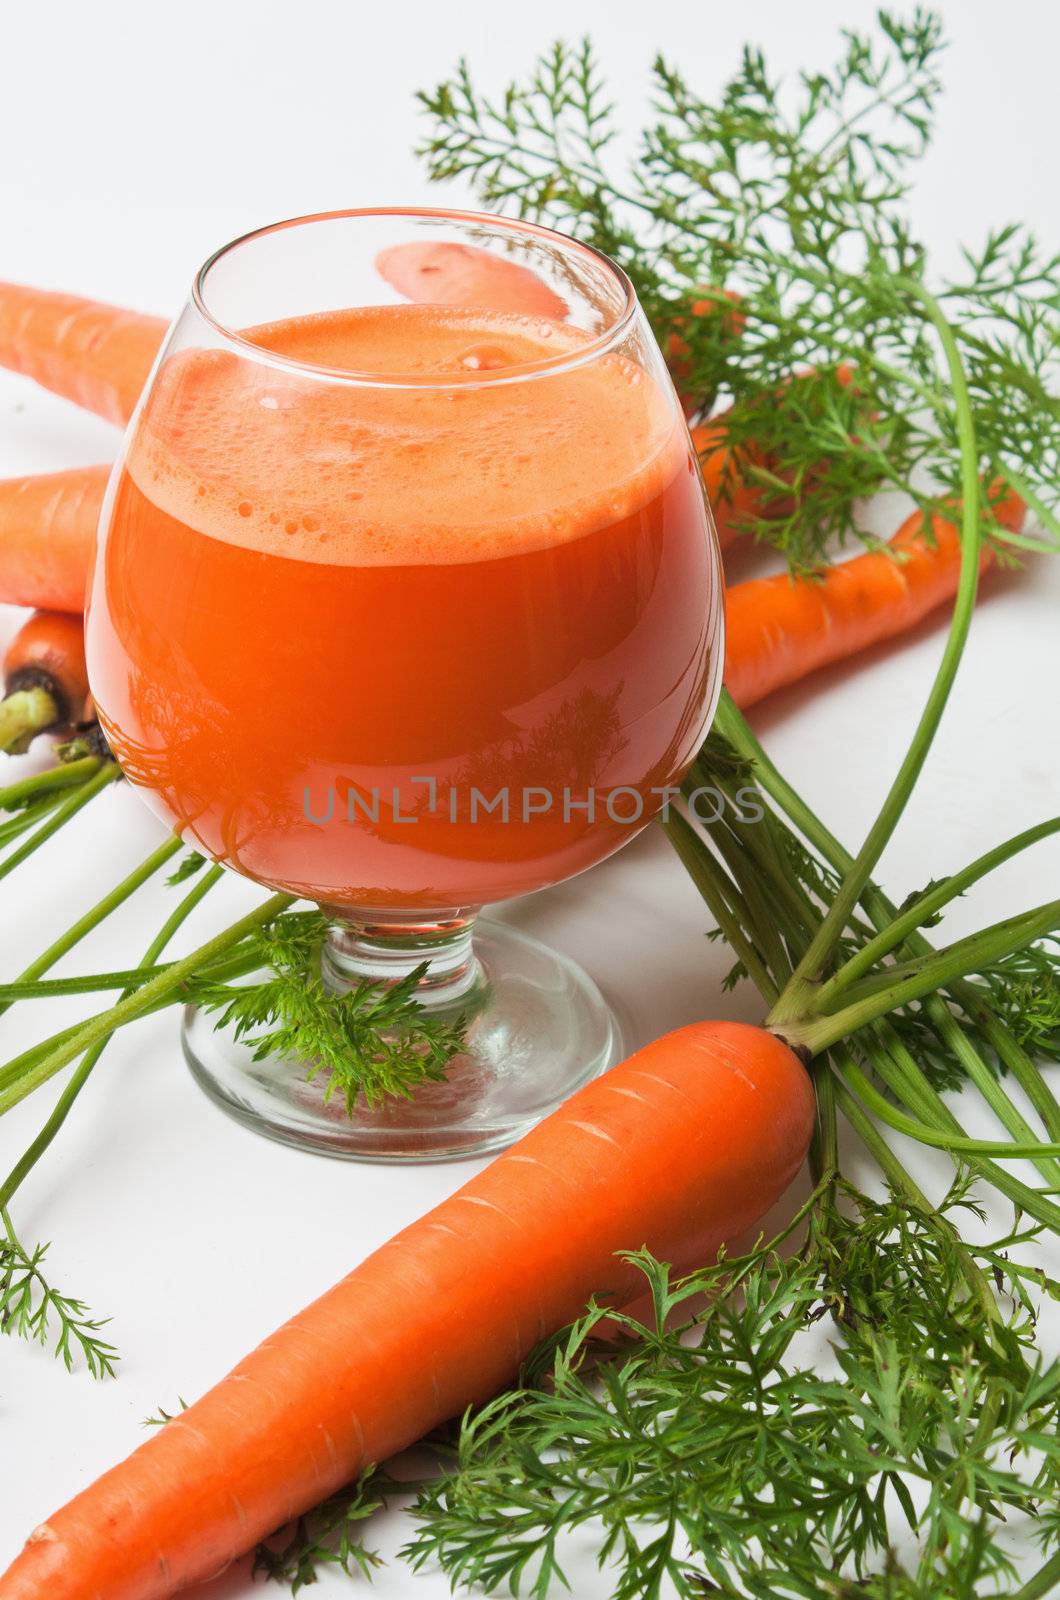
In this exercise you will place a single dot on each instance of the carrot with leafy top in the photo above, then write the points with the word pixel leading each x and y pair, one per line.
pixel 97 355
pixel 777 630
pixel 682 1146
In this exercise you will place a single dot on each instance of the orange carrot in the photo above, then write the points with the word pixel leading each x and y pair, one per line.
pixel 452 274
pixel 779 629
pixel 47 537
pixel 684 1145
pixel 96 355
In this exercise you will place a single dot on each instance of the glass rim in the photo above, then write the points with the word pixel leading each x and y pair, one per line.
pixel 594 347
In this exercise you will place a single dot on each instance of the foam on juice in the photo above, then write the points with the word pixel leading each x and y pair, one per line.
pixel 434 466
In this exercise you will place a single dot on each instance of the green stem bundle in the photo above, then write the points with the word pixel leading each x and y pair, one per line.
pixel 28 1072
pixel 76 1082
pixel 75 801
pixel 26 984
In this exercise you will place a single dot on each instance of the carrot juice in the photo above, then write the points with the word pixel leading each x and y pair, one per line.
pixel 427 638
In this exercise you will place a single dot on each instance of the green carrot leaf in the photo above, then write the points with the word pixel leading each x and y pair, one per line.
pixel 186 868
pixel 373 1042
pixel 32 1308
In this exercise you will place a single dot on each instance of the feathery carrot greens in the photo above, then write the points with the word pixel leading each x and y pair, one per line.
pixel 32 1308
pixel 373 1042
pixel 732 1451
pixel 792 198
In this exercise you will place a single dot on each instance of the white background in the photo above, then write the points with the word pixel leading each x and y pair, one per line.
pixel 135 139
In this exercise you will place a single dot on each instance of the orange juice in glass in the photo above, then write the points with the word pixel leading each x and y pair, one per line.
pixel 408 608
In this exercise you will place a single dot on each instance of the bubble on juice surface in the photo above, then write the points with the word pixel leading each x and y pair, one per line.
pixel 485 358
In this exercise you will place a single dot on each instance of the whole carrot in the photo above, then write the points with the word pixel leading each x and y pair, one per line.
pixel 779 629
pixel 94 354
pixel 48 535
pixel 682 1146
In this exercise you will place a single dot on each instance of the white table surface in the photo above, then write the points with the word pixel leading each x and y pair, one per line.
pixel 136 138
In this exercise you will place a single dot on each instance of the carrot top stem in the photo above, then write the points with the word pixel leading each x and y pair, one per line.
pixel 923 908
pixel 899 1072
pixel 923 975
pixel 710 881
pixel 894 1170
pixel 28 817
pixel 881 912
pixel 795 913
pixel 74 802
pixel 24 714
pixel 882 1108
pixel 86 983
pixel 64 775
pixel 761 931
pixel 857 876
pixel 824 1148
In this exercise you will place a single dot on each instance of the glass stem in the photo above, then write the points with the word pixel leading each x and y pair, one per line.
pixel 385 947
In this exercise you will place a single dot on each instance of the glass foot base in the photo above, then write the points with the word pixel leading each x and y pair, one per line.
pixel 540 1029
